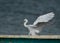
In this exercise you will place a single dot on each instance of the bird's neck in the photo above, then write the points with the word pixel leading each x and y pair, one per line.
pixel 25 24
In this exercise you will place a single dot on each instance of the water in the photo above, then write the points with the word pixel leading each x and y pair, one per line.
pixel 13 12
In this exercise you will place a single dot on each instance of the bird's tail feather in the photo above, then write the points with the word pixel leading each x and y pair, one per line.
pixel 34 31
pixel 37 31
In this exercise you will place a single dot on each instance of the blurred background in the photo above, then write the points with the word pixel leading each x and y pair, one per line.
pixel 13 12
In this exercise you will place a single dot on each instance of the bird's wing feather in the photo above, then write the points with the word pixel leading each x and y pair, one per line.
pixel 44 18
pixel 42 25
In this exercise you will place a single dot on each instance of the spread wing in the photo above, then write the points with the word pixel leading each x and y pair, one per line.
pixel 44 18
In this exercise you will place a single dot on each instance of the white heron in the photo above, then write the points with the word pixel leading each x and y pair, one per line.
pixel 40 22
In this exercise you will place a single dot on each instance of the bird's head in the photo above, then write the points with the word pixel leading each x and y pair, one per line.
pixel 25 20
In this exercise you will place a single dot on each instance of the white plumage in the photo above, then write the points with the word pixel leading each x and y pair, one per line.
pixel 35 28
pixel 44 18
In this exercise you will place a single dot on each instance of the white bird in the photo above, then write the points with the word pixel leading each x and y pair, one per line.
pixel 40 22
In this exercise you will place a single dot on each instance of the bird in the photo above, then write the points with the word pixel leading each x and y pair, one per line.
pixel 39 23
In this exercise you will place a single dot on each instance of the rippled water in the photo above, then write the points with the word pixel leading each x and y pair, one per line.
pixel 13 12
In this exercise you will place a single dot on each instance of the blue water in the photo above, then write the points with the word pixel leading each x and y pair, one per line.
pixel 19 40
pixel 13 12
